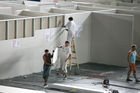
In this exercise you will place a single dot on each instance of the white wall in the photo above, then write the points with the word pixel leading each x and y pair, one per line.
pixel 63 11
pixel 111 38
pixel 111 6
pixel 13 6
pixel 136 29
pixel 85 8
pixel 5 10
pixel 26 58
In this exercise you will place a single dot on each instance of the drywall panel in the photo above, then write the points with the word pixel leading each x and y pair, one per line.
pixel 28 28
pixel 127 4
pixel 11 29
pixel 91 8
pixel 63 11
pixel 82 3
pixel 26 56
pixel 111 38
pixel 14 6
pixel 34 14
pixel 110 6
pixel 52 22
pixel 60 21
pixel 84 41
pixel 45 23
pixel 33 8
pixel 20 29
pixel 6 10
pixel 2 30
pixel 37 23
pixel 136 28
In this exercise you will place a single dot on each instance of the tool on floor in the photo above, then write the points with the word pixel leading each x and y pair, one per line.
pixel 106 83
pixel 74 57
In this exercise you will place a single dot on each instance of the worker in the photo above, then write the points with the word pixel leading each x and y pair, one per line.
pixel 47 66
pixel 132 54
pixel 70 26
pixel 64 57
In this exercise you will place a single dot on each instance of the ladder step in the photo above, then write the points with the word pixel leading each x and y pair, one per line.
pixel 74 58
pixel 74 63
pixel 73 51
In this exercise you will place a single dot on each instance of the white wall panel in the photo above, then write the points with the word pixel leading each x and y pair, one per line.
pixel 111 38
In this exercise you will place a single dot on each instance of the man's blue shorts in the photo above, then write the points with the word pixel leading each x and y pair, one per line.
pixel 46 71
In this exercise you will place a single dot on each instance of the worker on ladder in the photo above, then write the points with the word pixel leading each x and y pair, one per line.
pixel 70 26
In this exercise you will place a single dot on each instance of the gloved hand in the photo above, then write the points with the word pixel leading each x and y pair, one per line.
pixel 67 29
pixel 53 51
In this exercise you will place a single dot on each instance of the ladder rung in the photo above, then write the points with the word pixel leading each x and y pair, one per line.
pixel 75 63
pixel 73 51
pixel 74 58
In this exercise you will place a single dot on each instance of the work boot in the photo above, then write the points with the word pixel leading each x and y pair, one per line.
pixel 128 79
pixel 65 78
pixel 45 85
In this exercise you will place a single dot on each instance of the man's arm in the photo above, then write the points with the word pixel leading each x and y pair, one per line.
pixel 45 62
pixel 59 46
pixel 129 55
pixel 70 54
pixel 52 54
pixel 68 58
pixel 138 55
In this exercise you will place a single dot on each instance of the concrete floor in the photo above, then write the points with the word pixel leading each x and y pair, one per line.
pixel 86 80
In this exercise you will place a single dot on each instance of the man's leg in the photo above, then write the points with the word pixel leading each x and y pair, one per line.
pixel 134 72
pixel 65 71
pixel 47 72
pixel 45 81
pixel 129 72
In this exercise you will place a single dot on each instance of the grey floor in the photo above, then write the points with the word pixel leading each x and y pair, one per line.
pixel 89 76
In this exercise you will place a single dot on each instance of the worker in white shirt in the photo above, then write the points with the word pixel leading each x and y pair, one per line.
pixel 64 57
pixel 70 26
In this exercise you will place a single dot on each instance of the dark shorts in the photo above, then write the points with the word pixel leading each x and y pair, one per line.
pixel 46 71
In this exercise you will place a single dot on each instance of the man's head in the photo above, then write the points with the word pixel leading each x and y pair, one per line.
pixel 46 51
pixel 70 18
pixel 134 47
pixel 67 43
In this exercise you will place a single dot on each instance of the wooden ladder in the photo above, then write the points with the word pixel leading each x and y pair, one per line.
pixel 73 56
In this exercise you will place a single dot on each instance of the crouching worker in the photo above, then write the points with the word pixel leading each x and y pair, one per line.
pixel 47 66
pixel 64 57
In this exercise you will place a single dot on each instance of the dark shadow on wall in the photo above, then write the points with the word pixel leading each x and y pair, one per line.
pixel 9 63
